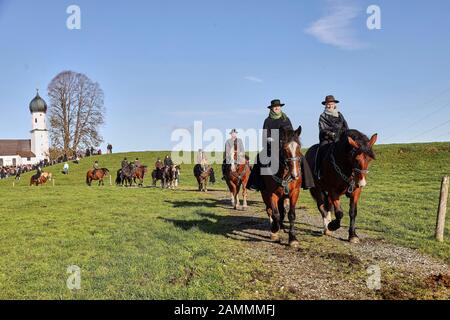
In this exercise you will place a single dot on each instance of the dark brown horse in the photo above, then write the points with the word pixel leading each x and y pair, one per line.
pixel 283 188
pixel 98 174
pixel 236 176
pixel 139 174
pixel 37 181
pixel 203 174
pixel 157 174
pixel 343 170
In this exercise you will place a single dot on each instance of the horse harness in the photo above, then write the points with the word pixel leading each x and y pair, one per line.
pixel 285 182
pixel 239 176
pixel 350 181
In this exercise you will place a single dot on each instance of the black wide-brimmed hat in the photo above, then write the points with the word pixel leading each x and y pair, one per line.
pixel 329 99
pixel 276 103
pixel 234 131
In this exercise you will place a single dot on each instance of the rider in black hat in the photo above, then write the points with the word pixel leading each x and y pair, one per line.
pixel 331 126
pixel 277 120
pixel 331 123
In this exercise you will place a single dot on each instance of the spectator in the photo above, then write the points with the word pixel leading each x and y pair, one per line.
pixel 66 168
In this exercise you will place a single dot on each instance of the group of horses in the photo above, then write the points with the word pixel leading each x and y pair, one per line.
pixel 168 175
pixel 343 171
pixel 131 173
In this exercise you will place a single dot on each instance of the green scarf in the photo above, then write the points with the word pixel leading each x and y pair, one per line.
pixel 276 116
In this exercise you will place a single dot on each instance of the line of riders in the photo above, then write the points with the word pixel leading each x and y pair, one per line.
pixel 332 125
pixel 165 171
pixel 335 167
pixel 134 172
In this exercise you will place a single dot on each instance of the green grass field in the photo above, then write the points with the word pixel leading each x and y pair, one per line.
pixel 126 247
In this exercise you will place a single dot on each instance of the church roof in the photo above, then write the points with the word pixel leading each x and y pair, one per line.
pixel 16 147
pixel 38 104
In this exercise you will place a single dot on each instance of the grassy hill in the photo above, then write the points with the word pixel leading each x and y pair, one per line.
pixel 126 249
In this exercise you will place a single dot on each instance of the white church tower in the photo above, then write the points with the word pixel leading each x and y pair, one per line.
pixel 39 132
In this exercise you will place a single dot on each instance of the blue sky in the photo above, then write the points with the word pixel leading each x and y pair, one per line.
pixel 165 64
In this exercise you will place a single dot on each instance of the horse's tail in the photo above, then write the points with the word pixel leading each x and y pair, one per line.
pixel 87 177
pixel 212 176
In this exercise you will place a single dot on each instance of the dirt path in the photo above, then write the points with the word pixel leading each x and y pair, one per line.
pixel 330 267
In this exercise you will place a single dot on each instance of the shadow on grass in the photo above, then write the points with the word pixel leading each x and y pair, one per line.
pixel 208 203
pixel 242 228
pixel 235 226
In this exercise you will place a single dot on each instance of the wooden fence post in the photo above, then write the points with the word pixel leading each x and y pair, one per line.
pixel 440 224
pixel 110 181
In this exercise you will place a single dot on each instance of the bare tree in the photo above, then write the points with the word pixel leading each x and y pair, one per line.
pixel 76 112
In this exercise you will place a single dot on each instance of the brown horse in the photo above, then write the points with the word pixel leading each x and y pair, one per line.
pixel 45 176
pixel 203 174
pixel 98 174
pixel 139 173
pixel 343 170
pixel 236 176
pixel 283 188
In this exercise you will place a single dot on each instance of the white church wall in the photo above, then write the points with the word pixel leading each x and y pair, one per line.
pixel 17 161
pixel 10 161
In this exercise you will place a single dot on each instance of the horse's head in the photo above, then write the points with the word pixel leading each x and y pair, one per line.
pixel 291 151
pixel 361 154
pixel 47 176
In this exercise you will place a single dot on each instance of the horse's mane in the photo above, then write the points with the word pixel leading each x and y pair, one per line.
pixel 289 136
pixel 361 139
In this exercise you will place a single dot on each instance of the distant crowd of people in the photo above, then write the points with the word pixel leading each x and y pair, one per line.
pixel 17 171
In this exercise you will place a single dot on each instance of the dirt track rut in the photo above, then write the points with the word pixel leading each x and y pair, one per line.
pixel 325 267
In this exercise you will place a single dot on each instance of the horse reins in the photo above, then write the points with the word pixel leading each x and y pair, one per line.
pixel 285 182
pixel 349 180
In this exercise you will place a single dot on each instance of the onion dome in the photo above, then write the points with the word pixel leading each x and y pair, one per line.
pixel 38 104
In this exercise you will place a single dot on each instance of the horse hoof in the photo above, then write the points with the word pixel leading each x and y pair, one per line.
pixel 327 233
pixel 294 244
pixel 334 225
pixel 354 240
pixel 275 237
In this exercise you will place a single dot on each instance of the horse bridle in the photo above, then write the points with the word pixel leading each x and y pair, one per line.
pixel 285 182
pixel 349 180
pixel 292 159
pixel 242 174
